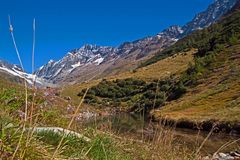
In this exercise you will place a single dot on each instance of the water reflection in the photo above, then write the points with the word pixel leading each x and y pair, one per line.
pixel 137 127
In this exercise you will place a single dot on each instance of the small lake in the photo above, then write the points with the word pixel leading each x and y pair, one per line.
pixel 136 127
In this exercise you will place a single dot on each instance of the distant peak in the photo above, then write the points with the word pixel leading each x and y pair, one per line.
pixel 174 28
pixel 89 46
pixel 51 61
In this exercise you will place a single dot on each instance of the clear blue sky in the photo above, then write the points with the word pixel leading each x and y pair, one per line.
pixel 63 25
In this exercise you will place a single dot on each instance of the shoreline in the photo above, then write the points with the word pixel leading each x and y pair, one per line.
pixel 209 125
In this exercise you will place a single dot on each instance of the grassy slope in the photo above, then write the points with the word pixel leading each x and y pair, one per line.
pixel 169 66
pixel 173 65
pixel 12 100
pixel 217 96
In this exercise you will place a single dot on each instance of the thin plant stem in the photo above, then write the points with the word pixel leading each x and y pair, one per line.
pixel 224 146
pixel 25 84
pixel 14 42
pixel 31 131
pixel 70 124
pixel 34 79
pixel 21 64
pixel 106 157
pixel 205 140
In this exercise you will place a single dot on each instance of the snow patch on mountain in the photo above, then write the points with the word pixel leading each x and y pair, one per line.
pixel 17 71
pixel 99 61
pixel 76 65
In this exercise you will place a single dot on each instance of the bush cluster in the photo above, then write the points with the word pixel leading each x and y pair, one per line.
pixel 137 95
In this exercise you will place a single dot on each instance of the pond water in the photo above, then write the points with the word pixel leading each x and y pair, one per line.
pixel 137 127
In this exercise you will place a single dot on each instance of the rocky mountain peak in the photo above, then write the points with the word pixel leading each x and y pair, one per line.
pixel 90 56
pixel 208 17
pixel 51 61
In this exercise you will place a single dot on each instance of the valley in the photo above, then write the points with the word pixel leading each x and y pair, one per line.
pixel 175 95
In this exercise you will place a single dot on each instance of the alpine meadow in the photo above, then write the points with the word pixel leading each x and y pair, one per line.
pixel 174 95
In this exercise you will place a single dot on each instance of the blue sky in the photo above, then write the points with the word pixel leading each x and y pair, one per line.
pixel 62 25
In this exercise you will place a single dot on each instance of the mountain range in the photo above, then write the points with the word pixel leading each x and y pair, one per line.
pixel 92 61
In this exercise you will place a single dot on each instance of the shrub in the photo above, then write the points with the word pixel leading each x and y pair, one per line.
pixel 136 95
pixel 178 91
pixel 233 40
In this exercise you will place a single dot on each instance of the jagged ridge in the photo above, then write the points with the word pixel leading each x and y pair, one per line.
pixel 88 55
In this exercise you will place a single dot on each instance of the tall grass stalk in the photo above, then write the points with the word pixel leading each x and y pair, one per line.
pixel 25 85
pixel 205 140
pixel 34 90
pixel 70 124
pixel 34 79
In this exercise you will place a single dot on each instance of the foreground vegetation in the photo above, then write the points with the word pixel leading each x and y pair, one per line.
pixel 26 145
pixel 104 144
pixel 19 143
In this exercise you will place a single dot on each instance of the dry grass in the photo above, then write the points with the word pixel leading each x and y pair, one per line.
pixel 215 98
pixel 173 65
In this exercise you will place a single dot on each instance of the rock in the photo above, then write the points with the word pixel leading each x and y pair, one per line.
pixel 216 156
pixel 224 156
pixel 235 154
pixel 59 130
pixel 67 98
pixel 206 158
pixel 86 115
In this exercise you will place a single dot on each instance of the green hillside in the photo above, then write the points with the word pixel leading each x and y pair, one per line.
pixel 207 90
pixel 213 81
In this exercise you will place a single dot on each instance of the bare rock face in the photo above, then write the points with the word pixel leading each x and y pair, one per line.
pixel 88 54
pixel 224 156
pixel 91 61
pixel 204 19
